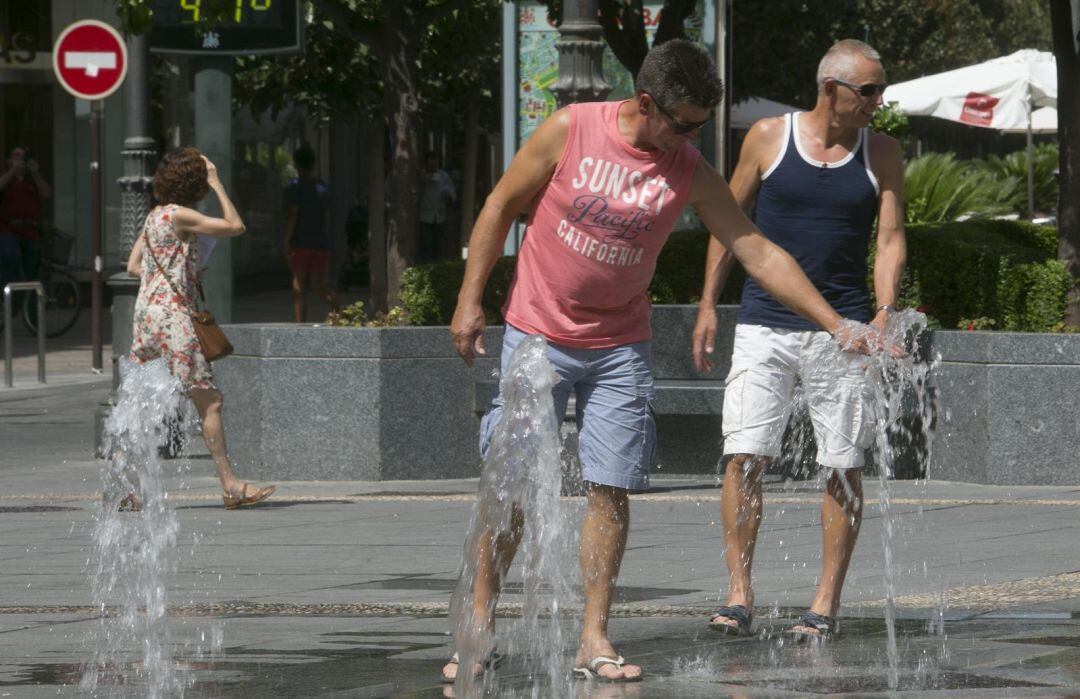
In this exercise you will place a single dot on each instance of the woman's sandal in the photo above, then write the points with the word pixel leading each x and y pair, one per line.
pixel 824 627
pixel 737 613
pixel 130 503
pixel 590 671
pixel 491 662
pixel 233 502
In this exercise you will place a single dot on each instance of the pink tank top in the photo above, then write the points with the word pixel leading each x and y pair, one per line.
pixel 594 234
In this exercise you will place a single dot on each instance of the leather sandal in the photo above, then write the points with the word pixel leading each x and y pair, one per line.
pixel 233 502
pixel 824 627
pixel 130 503
pixel 737 613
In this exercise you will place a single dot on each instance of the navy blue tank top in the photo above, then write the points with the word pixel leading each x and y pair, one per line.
pixel 822 214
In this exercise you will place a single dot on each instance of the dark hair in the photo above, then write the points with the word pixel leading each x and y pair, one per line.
pixel 304 157
pixel 181 177
pixel 27 154
pixel 680 72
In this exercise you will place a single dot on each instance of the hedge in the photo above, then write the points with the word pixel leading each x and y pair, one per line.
pixel 985 273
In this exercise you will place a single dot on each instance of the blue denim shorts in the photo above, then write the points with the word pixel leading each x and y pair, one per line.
pixel 614 395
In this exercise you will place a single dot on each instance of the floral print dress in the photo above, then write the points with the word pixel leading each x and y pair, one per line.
pixel 162 324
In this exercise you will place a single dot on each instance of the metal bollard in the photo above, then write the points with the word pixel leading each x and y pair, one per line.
pixel 9 342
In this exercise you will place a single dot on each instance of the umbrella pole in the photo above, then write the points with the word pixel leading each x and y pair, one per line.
pixel 1030 176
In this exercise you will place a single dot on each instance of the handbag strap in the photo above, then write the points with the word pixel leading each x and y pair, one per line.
pixel 150 251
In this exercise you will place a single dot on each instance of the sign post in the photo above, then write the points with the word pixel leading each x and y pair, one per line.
pixel 90 62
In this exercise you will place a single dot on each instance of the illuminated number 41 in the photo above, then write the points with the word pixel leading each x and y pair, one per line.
pixel 195 8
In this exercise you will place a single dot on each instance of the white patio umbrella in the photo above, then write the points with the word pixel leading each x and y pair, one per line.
pixel 1043 121
pixel 999 94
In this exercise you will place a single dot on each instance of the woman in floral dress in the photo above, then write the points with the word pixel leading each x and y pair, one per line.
pixel 162 325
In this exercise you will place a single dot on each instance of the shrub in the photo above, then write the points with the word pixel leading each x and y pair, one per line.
pixel 889 120
pixel 429 292
pixel 996 270
pixel 1044 161
pixel 355 316
pixel 992 273
pixel 939 188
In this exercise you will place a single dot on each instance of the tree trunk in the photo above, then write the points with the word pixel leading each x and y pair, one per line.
pixel 400 98
pixel 377 216
pixel 1068 72
pixel 468 171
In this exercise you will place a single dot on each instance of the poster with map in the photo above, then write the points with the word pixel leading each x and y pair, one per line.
pixel 538 62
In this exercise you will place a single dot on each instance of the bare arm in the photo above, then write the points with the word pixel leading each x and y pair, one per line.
pixel 529 171
pixel 774 269
pixel 134 261
pixel 891 254
pixel 759 144
pixel 189 222
pixel 43 189
pixel 6 177
pixel 291 213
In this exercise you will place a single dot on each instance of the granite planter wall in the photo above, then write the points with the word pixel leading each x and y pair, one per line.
pixel 1010 408
pixel 306 402
pixel 318 403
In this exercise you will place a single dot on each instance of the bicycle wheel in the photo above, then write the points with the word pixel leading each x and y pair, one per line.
pixel 63 303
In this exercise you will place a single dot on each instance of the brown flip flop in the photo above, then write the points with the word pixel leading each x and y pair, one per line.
pixel 233 502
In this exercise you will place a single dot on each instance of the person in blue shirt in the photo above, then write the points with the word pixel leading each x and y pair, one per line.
pixel 823 183
pixel 307 233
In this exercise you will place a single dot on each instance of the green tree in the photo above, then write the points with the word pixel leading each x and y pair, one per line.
pixel 392 61
pixel 777 45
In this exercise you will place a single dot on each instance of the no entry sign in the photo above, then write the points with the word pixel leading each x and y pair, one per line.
pixel 90 59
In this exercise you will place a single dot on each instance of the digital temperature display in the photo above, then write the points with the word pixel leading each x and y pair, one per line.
pixel 248 27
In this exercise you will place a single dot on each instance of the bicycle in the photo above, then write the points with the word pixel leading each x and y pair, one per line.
pixel 63 299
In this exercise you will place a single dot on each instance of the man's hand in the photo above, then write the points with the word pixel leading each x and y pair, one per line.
pixel 704 338
pixel 467 331
pixel 880 320
pixel 32 166
pixel 865 339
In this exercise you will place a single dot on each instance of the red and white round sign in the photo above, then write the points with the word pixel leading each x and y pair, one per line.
pixel 90 59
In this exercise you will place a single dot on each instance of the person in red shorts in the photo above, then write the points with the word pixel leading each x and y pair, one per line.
pixel 22 193
pixel 307 237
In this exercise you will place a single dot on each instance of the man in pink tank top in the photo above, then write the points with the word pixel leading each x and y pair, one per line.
pixel 604 185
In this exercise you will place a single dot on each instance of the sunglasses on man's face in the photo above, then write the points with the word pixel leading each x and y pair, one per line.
pixel 678 126
pixel 867 90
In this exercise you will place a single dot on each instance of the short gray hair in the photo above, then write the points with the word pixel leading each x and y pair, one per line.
pixel 679 71
pixel 838 61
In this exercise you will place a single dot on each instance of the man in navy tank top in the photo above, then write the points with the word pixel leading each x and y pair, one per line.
pixel 820 179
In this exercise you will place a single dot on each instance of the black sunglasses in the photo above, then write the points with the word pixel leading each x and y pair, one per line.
pixel 680 127
pixel 867 90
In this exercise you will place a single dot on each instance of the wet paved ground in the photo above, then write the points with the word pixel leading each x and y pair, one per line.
pixel 341 589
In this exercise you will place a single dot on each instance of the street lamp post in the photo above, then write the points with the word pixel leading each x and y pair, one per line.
pixel 138 159
pixel 581 50
pixel 581 79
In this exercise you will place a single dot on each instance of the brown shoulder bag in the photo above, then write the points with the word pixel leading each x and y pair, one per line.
pixel 211 337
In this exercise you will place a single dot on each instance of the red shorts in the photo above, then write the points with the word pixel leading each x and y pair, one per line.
pixel 307 260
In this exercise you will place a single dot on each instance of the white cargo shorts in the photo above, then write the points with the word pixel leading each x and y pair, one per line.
pixel 766 366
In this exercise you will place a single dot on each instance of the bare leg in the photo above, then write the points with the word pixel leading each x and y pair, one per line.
pixel 603 540
pixel 319 285
pixel 208 403
pixel 299 297
pixel 741 511
pixel 494 554
pixel 841 516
